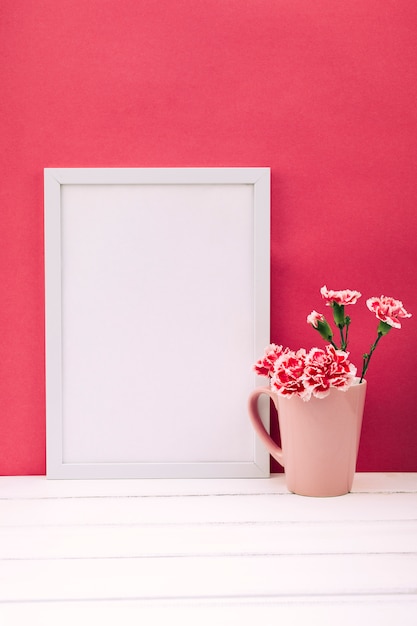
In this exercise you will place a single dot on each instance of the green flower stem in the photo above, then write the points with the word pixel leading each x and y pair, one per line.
pixel 342 339
pixel 347 324
pixel 342 323
pixel 367 357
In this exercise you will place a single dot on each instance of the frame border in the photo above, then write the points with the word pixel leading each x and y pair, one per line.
pixel 54 179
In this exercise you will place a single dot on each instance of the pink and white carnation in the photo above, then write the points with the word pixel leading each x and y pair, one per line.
pixel 314 318
pixel 265 365
pixel 345 296
pixel 288 375
pixel 388 310
pixel 325 369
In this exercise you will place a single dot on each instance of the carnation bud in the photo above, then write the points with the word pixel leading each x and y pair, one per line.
pixel 324 330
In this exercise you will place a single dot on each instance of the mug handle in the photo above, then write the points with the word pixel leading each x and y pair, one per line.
pixel 260 429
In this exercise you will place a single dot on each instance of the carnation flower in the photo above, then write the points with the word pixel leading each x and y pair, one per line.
pixel 327 368
pixel 318 321
pixel 314 318
pixel 346 296
pixel 388 310
pixel 288 375
pixel 337 300
pixel 265 365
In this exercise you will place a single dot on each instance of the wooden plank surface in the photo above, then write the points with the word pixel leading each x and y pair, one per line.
pixel 337 611
pixel 207 551
pixel 218 539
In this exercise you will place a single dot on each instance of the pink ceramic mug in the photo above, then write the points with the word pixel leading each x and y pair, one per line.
pixel 319 438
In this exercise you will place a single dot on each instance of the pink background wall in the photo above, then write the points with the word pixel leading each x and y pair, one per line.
pixel 323 92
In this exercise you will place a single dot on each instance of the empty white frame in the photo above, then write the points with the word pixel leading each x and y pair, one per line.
pixel 157 305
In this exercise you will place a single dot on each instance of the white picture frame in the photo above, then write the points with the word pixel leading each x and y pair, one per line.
pixel 157 297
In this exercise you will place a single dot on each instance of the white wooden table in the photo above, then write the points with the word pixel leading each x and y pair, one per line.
pixel 202 552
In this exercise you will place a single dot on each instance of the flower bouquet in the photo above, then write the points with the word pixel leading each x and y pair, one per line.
pixel 320 427
pixel 314 373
